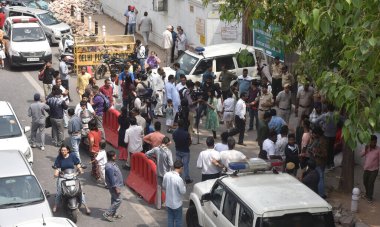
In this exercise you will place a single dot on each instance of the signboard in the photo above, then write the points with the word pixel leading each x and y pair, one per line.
pixel 200 26
pixel 202 39
pixel 229 33
pixel 263 39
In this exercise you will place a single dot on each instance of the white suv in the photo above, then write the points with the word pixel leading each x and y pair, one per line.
pixel 12 136
pixel 257 199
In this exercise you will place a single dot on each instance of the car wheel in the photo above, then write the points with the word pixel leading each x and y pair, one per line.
pixel 192 217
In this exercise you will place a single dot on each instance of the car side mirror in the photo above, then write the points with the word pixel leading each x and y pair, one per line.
pixel 26 129
pixel 206 197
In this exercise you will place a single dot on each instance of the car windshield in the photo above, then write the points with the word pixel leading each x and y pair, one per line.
pixel 9 127
pixel 43 4
pixel 19 191
pixel 48 19
pixel 300 220
pixel 187 62
pixel 28 34
pixel 31 5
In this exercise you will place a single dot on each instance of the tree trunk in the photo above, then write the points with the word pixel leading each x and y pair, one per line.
pixel 346 182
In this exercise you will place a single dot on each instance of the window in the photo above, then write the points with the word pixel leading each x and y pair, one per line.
pixel 216 195
pixel 202 66
pixel 252 62
pixel 160 5
pixel 229 207
pixel 14 14
pixel 187 62
pixel 227 61
pixel 300 219
pixel 245 217
pixel 48 19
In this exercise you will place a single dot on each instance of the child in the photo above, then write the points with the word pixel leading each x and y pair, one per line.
pixel 169 115
pixel 291 154
pixel 101 158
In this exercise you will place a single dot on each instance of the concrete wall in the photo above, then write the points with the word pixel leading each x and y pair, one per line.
pixel 180 12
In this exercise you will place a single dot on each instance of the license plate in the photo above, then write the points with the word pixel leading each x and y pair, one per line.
pixel 70 183
pixel 32 59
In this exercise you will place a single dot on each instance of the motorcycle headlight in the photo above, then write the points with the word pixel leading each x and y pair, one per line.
pixel 28 153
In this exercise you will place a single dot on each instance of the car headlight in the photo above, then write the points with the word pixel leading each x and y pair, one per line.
pixel 15 53
pixel 28 153
pixel 57 33
pixel 48 52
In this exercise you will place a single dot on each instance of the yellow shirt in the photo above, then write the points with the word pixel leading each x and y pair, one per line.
pixel 82 82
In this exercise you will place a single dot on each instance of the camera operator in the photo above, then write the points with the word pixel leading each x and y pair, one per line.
pixel 144 93
pixel 192 98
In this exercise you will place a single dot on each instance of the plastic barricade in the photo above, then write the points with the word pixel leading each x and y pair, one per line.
pixel 110 126
pixel 143 177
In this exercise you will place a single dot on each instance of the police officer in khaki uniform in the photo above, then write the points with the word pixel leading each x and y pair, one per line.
pixel 265 101
pixel 287 78
pixel 276 76
pixel 284 103
pixel 304 101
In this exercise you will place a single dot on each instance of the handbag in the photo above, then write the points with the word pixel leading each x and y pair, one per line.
pixel 47 122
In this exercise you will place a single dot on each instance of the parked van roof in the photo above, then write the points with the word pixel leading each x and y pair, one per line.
pixel 223 49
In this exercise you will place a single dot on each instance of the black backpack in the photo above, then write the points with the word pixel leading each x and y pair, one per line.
pixel 149 91
pixel 106 102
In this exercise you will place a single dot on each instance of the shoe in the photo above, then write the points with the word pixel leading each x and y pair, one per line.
pixel 84 166
pixel 108 217
pixel 242 144
pixel 189 181
pixel 88 211
pixel 42 148
pixel 117 216
pixel 33 146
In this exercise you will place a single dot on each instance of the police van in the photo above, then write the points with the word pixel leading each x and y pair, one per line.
pixel 26 42
pixel 255 196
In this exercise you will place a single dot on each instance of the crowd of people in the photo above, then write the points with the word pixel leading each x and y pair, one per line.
pixel 146 94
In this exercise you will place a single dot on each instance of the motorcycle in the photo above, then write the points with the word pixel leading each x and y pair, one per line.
pixel 109 63
pixel 66 49
pixel 71 193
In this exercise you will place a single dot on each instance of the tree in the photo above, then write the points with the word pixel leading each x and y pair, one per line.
pixel 339 42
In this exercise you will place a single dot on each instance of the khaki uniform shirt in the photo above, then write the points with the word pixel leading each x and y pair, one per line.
pixel 265 99
pixel 287 78
pixel 305 97
pixel 284 100
pixel 277 70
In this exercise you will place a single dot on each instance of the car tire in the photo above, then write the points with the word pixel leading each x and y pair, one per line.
pixel 192 217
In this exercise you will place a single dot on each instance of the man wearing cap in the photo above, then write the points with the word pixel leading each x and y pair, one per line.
pixel 167 44
pixel 304 101
pixel 276 76
pixel 131 19
pixel 37 111
pixel 284 103
pixel 265 101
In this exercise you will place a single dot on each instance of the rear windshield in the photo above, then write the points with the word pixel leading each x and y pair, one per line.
pixel 19 191
pixel 28 34
pixel 187 62
pixel 9 127
pixel 298 220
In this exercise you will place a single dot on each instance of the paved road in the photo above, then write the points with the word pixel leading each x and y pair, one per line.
pixel 18 87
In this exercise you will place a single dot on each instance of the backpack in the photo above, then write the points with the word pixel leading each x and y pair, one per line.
pixel 106 102
pixel 149 91
pixel 182 92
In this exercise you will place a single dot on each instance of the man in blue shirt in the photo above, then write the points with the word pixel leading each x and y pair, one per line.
pixel 276 122
pixel 244 82
pixel 209 74
pixel 114 181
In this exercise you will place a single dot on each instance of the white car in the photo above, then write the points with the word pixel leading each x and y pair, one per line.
pixel 258 198
pixel 54 29
pixel 49 222
pixel 26 43
pixel 12 135
pixel 194 64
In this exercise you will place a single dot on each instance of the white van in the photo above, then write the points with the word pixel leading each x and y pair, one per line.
pixel 21 195
pixel 194 64
pixel 54 29
pixel 12 136
pixel 26 42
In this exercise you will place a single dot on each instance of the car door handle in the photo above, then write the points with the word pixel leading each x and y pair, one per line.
pixel 215 213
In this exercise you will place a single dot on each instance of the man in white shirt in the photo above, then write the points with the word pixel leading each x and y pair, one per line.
pixel 182 84
pixel 140 54
pixel 231 155
pixel 131 19
pixel 158 87
pixel 167 44
pixel 240 112
pixel 181 41
pixel 229 111
pixel 78 108
pixel 269 144
pixel 134 139
pixel 208 161
pixel 145 27
pixel 175 189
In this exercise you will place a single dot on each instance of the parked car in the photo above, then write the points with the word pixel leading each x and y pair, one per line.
pixel 12 135
pixel 256 198
pixel 21 195
pixel 49 222
pixel 26 42
pixel 54 29
pixel 37 4
pixel 195 63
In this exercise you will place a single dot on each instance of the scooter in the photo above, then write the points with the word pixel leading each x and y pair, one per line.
pixel 66 49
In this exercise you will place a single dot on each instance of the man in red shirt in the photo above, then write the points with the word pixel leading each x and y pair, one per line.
pixel 155 138
pixel 371 154
pixel 2 19
pixel 107 90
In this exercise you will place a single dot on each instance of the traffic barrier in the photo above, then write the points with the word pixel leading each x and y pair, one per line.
pixel 143 177
pixel 111 125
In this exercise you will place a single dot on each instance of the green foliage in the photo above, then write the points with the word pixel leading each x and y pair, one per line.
pixel 339 42
pixel 244 57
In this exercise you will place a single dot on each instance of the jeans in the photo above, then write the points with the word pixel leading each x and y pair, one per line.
pixel 321 183
pixel 174 217
pixel 185 158
pixel 37 127
pixel 75 141
pixel 145 36
pixel 142 64
pixel 252 115
pixel 369 178
pixel 201 109
pixel 115 202
pixel 57 131
pixel 131 29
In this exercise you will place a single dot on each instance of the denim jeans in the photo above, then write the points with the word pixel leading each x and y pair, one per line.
pixel 321 183
pixel 142 64
pixel 253 114
pixel 75 141
pixel 115 202
pixel 174 217
pixel 185 158
pixel 131 29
